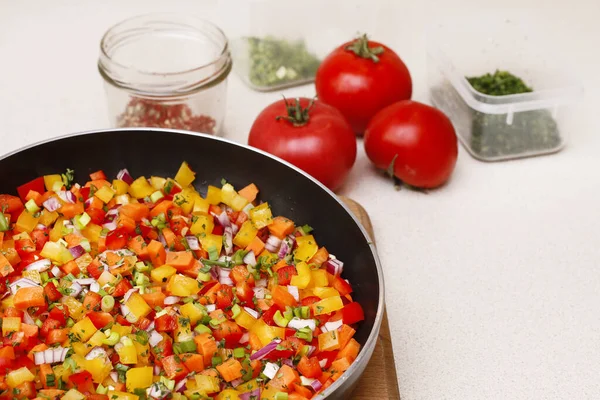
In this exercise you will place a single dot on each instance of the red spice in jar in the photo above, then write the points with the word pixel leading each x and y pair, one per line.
pixel 155 114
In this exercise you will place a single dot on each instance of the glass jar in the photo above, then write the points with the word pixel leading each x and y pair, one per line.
pixel 166 71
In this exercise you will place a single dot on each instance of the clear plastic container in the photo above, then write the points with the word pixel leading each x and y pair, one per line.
pixel 280 44
pixel 494 128
pixel 166 71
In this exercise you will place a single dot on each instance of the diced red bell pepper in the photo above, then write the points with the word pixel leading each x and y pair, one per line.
pixel 60 313
pixel 40 237
pixel 36 185
pixel 165 323
pixel 100 319
pixel 48 325
pixel 341 286
pixel 244 293
pixel 121 320
pixel 97 215
pixel 52 292
pixel 218 230
pixel 352 313
pixel 224 297
pixel 91 301
pixel 268 315
pixel 12 205
pixel 163 349
pixel 84 192
pixel 284 275
pixel 122 287
pixel 117 239
pixel 95 269
pixel 82 381
pixel 230 331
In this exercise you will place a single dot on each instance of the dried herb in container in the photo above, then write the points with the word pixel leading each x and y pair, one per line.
pixel 496 136
pixel 277 62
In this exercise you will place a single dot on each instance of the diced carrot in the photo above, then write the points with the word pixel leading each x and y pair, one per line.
pixel 30 330
pixel 57 336
pixel 94 176
pixel 249 192
pixel 169 237
pixel 126 223
pixel 72 240
pixel 254 341
pixel 36 196
pixel 96 203
pixel 27 297
pixel 5 266
pixel 282 297
pixel 281 227
pixel 256 246
pixel 101 244
pixel 193 362
pixel 1 238
pixel 280 264
pixel 45 371
pixel 194 270
pixel 52 393
pixel 303 392
pixel 350 350
pixel 135 211
pixel 297 396
pixel 97 183
pixel 7 352
pixel 207 346
pixel 217 315
pixel 325 377
pixel 154 299
pixel 338 367
pixel 284 378
pixel 71 267
pixel 26 390
pixel 157 253
pixel 345 333
pixel 264 304
pixel 161 208
pixel 139 247
pixel 180 260
pixel 173 367
pixel 320 257
pixel 69 210
pixel 230 370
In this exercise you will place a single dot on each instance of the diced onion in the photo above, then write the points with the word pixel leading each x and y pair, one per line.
pixel 19 283
pixel 252 312
pixel 27 318
pixel 288 362
pixel 261 283
pixel 180 386
pixel 293 290
pixel 259 292
pixel 304 381
pixel 262 353
pixel 77 251
pixel 323 363
pixel 192 242
pixel 210 307
pixel 334 266
pixel 316 385
pixel 56 271
pixel 75 289
pixel 40 265
pixel 125 176
pixel 273 243
pixel 250 259
pixel 270 370
pixel 228 240
pixel 154 338
pixel 255 394
pixel 237 382
pixel 245 338
pixel 223 219
pixel 95 287
pixel 52 204
pixel 297 323
pixel 170 300
pixel 96 352
pixel 332 326
pixel 50 356
pixel 66 196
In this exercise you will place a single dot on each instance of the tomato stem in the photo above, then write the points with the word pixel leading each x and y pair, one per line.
pixel 361 48
pixel 296 115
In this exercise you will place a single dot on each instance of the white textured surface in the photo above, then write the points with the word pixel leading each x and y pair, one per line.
pixel 492 282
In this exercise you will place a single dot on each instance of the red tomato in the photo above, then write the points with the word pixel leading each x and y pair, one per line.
pixel 361 77
pixel 284 275
pixel 11 205
pixel 122 287
pixel 240 274
pixel 95 269
pixel 48 325
pixel 418 139
pixel 244 293
pixel 224 297
pixel 100 319
pixel 316 138
pixel 52 292
pixel 116 239
pixel 91 301
pixel 230 331
pixel 40 237
pixel 28 258
pixel 97 215
pixel 165 323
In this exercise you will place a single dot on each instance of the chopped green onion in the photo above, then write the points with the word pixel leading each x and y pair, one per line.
pixel 304 333
pixel 101 389
pixel 108 303
pixel 236 310
pixel 70 323
pixel 239 352
pixel 281 396
pixel 44 277
pixel 3 223
pixel 141 267
pixel 213 254
pixel 304 350
pixel 215 322
pixel 280 320
pixel 169 383
pixel 288 313
pixel 204 277
pixel 86 245
pixel 156 196
pixel 39 323
pixel 305 312
pixel 202 329
pixel 81 221
pixel 112 339
pixel 216 361
pixel 238 257
pixel 31 206
pixel 306 229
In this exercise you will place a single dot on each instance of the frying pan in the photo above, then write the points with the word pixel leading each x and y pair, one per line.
pixel 288 190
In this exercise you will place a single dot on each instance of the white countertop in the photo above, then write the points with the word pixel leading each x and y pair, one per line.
pixel 492 282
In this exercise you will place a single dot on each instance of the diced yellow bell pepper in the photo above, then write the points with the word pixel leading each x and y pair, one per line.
pixel 185 200
pixel 92 232
pixel 185 176
pixel 122 330
pixel 213 195
pixel 73 394
pixel 162 273
pixel 56 231
pixel 140 188
pixel 84 329
pixel 143 351
pixel 203 224
pixel 248 386
pixel 210 240
pixel 99 368
pixel 33 275
pixel 157 182
pixel 307 247
pixel 27 222
pixel 81 349
pixel 47 217
pixel 302 280
pixel 138 306
pixel 124 199
pixel 120 187
pixel 106 277
pixel 200 205
pixel 329 341
pixel 10 324
pixel 269 393
pixel 230 197
pixel 183 332
pixel 7 302
pixel 245 235
pixel 228 394
pixel 261 215
pixel 83 261
pixel 138 378
pixel 105 193
pixel 268 257
pixel 96 339
pixel 75 307
pixel 207 384
pixel 56 252
pixel 116 395
pixel 325 292
pixel 19 376
pixel 193 312
pixel 126 351
pixel 49 180
pixel 62 373
pixel 267 333
pixel 245 320
pixel 183 286
pixel 328 305
pixel 318 278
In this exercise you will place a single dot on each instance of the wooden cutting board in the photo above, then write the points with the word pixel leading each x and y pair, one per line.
pixel 379 380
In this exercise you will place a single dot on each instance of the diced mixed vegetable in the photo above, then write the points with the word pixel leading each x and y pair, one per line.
pixel 144 289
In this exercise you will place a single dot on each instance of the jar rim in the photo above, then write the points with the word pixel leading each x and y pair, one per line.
pixel 110 68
